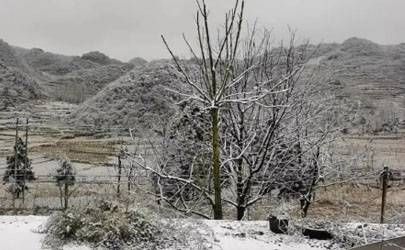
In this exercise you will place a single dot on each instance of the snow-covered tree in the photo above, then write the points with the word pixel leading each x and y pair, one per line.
pixel 265 120
pixel 19 170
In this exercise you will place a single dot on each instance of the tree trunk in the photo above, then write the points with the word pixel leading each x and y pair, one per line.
pixel 216 164
pixel 240 209
pixel 305 202
pixel 129 180
pixel 240 212
pixel 61 196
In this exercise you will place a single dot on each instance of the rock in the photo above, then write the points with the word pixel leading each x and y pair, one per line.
pixel 318 234
pixel 278 226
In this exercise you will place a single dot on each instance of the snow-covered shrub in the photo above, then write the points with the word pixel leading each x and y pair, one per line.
pixel 107 226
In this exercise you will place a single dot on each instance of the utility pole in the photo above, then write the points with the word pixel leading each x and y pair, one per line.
pixel 25 160
pixel 15 163
pixel 384 178
pixel 15 150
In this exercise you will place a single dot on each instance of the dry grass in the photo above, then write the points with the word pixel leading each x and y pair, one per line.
pixel 47 197
pixel 380 150
pixel 362 203
pixel 346 203
pixel 80 150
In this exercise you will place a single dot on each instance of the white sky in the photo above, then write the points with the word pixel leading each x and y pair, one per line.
pixel 127 28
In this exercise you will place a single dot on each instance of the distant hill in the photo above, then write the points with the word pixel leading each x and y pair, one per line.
pixel 65 78
pixel 77 86
pixel 18 82
pixel 138 100
pixel 138 62
pixel 99 58
pixel 45 62
pixel 17 88
pixel 368 76
pixel 8 57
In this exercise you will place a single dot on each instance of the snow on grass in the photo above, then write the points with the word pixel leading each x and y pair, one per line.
pixel 255 235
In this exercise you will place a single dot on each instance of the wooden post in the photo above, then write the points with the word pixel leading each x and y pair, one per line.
pixel 384 177
pixel 129 179
pixel 119 175
pixel 66 196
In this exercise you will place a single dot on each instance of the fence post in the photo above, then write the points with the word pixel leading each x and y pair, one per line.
pixel 119 175
pixel 384 177
pixel 129 179
pixel 66 196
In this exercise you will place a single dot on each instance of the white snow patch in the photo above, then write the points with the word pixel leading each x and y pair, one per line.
pixel 255 235
pixel 21 232
pixel 16 232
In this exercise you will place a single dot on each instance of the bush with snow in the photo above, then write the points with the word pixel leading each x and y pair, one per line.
pixel 106 225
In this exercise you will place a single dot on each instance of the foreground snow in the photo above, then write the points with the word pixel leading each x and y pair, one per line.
pixel 255 235
pixel 21 232
pixel 16 232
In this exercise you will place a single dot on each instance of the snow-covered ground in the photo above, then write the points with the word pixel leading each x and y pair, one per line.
pixel 17 232
pixel 255 235
pixel 21 233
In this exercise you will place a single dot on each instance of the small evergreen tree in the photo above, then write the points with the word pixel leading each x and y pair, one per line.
pixel 65 177
pixel 19 169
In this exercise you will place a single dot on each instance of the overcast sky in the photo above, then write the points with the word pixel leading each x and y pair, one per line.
pixel 127 28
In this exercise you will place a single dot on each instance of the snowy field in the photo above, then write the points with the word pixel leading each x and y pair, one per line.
pixel 21 233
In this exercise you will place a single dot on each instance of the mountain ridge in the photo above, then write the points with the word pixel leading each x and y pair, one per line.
pixel 370 75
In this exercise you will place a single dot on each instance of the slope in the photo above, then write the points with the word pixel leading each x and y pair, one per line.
pixel 137 100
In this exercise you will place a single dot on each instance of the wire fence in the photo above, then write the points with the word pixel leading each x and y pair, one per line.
pixel 44 193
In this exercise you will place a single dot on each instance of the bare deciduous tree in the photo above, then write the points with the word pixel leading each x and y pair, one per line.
pixel 268 122
pixel 215 79
pixel 65 177
pixel 274 142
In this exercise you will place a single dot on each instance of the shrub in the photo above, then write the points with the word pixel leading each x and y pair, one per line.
pixel 106 225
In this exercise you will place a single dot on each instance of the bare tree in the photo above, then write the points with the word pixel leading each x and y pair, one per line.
pixel 274 142
pixel 65 177
pixel 268 122
pixel 214 80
